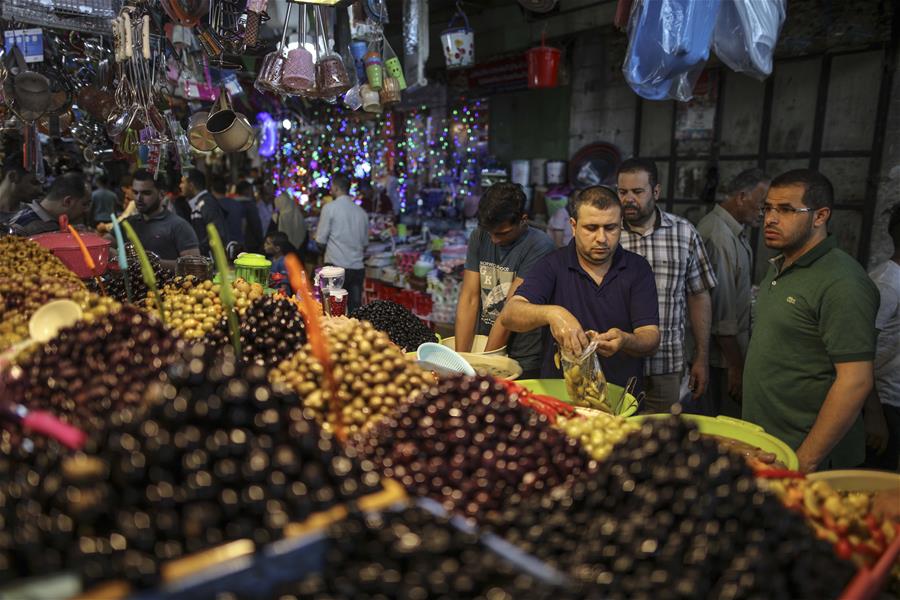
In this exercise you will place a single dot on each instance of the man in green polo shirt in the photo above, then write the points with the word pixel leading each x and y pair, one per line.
pixel 809 364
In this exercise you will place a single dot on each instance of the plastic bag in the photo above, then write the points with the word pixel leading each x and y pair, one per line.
pixel 746 34
pixel 668 45
pixel 585 381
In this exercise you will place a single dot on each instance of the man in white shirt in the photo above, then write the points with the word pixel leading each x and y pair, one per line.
pixel 343 232
pixel 883 435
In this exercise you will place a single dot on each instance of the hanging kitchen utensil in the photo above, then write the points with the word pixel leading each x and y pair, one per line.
pixel 299 73
pixel 392 65
pixel 458 41
pixel 199 136
pixel 331 74
pixel 374 66
pixel 390 91
pixel 27 93
pixel 270 73
pixel 256 14
pixel 353 97
pixel 231 130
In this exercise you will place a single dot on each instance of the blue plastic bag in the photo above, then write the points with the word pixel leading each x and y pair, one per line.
pixel 746 34
pixel 668 46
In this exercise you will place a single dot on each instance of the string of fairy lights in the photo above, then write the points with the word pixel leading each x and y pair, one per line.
pixel 421 146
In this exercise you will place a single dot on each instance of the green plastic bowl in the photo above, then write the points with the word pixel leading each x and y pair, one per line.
pixel 743 431
pixel 557 389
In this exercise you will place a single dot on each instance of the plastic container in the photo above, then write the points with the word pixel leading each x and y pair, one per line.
pixel 336 302
pixel 254 268
pixel 330 278
pixel 458 42
pixel 743 431
pixel 198 266
pixel 543 67
pixel 63 245
pixel 554 203
pixel 556 172
pixel 858 480
pixel 478 345
pixel 498 366
pixel 557 389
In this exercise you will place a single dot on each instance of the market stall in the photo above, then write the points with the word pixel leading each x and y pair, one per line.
pixel 309 455
pixel 224 432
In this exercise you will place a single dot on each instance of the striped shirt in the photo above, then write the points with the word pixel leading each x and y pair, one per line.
pixel 676 253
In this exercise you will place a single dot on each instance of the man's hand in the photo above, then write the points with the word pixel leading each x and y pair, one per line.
pixel 736 382
pixel 876 429
pixel 610 342
pixel 699 377
pixel 567 331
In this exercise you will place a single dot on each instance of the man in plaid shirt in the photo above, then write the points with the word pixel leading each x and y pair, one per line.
pixel 684 277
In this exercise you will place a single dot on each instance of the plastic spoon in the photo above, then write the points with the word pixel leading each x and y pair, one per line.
pixel 123 257
pixel 225 292
pixel 88 259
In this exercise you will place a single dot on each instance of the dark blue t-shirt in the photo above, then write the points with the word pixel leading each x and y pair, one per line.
pixel 626 299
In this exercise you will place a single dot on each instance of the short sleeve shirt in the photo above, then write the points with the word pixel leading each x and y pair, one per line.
pixel 817 312
pixel 625 299
pixel 167 235
pixel 730 255
pixel 678 258
pixel 344 231
pixel 498 267
pixel 887 354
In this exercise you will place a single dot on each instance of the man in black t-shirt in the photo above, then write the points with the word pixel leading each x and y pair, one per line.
pixel 162 232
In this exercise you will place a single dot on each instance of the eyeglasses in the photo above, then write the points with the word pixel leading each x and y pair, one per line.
pixel 783 210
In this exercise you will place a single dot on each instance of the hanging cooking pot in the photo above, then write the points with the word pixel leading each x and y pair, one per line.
pixel 299 74
pixel 331 75
pixel 198 135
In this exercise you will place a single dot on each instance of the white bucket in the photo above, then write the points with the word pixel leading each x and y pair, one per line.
pixel 459 48
pixel 556 172
pixel 519 172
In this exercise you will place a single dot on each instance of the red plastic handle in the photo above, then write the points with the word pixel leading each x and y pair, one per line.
pixel 46 424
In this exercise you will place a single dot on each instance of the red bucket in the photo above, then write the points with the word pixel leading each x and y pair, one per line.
pixel 543 67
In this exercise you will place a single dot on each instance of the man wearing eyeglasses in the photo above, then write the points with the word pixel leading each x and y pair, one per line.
pixel 809 364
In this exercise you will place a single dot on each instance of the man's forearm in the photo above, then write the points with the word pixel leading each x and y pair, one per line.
pixel 641 343
pixel 700 313
pixel 520 315
pixel 466 316
pixel 731 350
pixel 498 337
pixel 842 406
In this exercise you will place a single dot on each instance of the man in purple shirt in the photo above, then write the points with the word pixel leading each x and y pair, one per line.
pixel 592 289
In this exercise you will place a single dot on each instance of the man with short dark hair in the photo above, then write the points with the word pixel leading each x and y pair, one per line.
pixel 204 209
pixel 162 232
pixel 18 187
pixel 724 233
pixel 684 277
pixel 343 233
pixel 809 363
pixel 69 195
pixel 501 252
pixel 592 289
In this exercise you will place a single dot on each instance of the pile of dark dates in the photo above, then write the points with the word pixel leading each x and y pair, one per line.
pixel 413 554
pixel 403 327
pixel 272 330
pixel 671 516
pixel 469 445
pixel 119 283
pixel 94 369
pixel 218 456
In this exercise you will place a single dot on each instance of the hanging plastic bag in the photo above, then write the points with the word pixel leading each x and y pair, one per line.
pixel 746 34
pixel 668 45
pixel 585 381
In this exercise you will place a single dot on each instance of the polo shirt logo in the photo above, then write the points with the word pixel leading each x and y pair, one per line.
pixel 791 300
